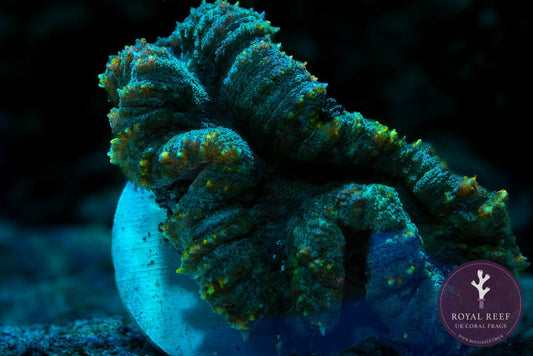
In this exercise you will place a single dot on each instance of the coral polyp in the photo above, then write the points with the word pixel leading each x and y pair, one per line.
pixel 232 135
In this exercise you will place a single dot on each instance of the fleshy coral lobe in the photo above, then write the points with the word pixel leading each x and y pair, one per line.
pixel 192 113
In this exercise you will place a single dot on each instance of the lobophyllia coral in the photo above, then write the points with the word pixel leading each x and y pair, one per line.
pixel 280 202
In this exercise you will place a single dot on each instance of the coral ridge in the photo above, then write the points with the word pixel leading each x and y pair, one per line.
pixel 192 111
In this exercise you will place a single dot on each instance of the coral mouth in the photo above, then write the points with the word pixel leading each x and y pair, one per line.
pixel 190 175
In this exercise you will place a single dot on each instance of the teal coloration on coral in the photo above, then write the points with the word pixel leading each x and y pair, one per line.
pixel 229 132
pixel 414 281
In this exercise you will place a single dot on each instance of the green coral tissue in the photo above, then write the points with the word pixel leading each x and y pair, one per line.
pixel 280 202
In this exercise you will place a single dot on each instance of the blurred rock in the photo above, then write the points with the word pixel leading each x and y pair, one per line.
pixel 105 336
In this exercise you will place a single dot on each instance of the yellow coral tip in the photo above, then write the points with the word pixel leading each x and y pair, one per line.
pixel 164 156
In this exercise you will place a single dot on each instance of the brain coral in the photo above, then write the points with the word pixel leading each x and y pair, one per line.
pixel 279 201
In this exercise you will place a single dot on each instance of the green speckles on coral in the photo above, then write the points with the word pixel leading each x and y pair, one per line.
pixel 210 118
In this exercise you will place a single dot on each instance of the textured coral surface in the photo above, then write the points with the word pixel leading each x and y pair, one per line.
pixel 280 202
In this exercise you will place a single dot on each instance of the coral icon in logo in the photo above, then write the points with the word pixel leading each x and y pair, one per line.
pixel 479 286
pixel 480 303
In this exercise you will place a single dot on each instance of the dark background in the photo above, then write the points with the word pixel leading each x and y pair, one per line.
pixel 456 73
